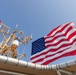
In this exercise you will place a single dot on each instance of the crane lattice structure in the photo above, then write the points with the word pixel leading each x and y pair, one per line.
pixel 9 44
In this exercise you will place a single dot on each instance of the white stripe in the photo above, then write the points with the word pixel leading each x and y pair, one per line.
pixel 45 50
pixel 42 56
pixel 64 47
pixel 50 38
pixel 48 48
pixel 57 29
pixel 59 38
pixel 61 28
pixel 61 43
pixel 60 33
pixel 54 47
pixel 51 47
pixel 35 59
pixel 59 54
pixel 52 57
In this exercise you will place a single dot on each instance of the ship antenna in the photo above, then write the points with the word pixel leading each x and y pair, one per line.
pixel 16 26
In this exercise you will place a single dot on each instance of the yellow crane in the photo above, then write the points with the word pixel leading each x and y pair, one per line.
pixel 9 44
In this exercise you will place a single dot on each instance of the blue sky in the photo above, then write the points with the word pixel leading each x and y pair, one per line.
pixel 37 17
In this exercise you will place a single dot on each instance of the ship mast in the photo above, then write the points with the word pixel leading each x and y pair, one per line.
pixel 10 44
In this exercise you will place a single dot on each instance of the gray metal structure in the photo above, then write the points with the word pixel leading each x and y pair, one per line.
pixel 11 66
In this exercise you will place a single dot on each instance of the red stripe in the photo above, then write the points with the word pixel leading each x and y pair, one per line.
pixel 65 25
pixel 61 46
pixel 55 37
pixel 51 60
pixel 71 35
pixel 63 40
pixel 53 50
pixel 53 31
pixel 49 55
pixel 66 54
pixel 56 53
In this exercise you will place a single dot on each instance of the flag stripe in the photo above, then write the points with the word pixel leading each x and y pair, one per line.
pixel 65 31
pixel 57 44
pixel 53 59
pixel 56 55
pixel 40 58
pixel 59 54
pixel 58 38
pixel 66 54
pixel 42 55
pixel 53 31
pixel 57 29
pixel 62 41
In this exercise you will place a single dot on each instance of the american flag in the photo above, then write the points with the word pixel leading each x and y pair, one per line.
pixel 55 45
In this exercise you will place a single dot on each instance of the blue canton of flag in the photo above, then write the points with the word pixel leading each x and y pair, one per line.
pixel 38 46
